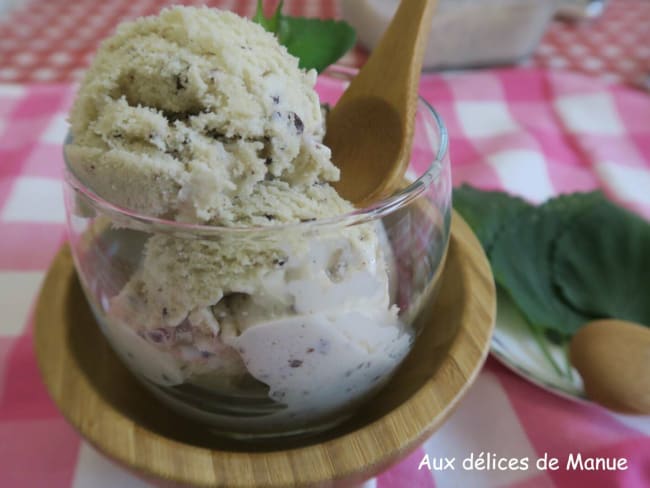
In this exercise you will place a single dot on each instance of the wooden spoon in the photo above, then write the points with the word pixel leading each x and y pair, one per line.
pixel 370 130
pixel 613 358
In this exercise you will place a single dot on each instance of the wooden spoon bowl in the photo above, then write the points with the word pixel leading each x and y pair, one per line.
pixel 370 130
pixel 381 146
pixel 113 412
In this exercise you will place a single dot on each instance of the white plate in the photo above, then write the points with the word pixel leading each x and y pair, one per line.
pixel 514 344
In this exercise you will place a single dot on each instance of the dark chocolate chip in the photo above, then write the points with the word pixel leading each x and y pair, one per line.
pixel 295 363
pixel 297 122
pixel 276 99
pixel 215 134
pixel 180 82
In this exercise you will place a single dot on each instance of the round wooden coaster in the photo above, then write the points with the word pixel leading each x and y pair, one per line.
pixel 113 412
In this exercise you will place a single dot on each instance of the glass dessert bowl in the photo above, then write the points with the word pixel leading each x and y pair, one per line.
pixel 273 330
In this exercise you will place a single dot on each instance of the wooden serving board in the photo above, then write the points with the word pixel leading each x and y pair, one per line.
pixel 109 408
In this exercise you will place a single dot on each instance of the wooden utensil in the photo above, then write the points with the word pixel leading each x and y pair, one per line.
pixel 370 129
pixel 117 415
pixel 613 358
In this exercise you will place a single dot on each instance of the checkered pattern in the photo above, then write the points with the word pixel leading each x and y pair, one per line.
pixel 615 47
pixel 54 40
pixel 536 135
pixel 530 132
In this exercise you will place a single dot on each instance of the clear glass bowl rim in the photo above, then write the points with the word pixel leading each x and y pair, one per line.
pixel 379 209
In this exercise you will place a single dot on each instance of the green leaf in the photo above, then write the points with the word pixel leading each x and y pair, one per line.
pixel 270 24
pixel 521 260
pixel 259 16
pixel 316 43
pixel 575 258
pixel 602 264
pixel 487 212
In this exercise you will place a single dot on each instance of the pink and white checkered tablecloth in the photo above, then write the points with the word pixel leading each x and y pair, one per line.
pixel 54 40
pixel 530 132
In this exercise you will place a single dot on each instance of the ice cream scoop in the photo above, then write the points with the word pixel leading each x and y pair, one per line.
pixel 613 358
pixel 370 130
pixel 201 116
pixel 202 120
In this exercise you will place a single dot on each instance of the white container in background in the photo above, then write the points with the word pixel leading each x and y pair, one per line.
pixel 464 33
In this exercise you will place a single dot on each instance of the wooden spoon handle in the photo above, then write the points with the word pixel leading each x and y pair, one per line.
pixel 393 70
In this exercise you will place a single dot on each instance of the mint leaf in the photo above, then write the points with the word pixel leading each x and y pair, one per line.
pixel 602 264
pixel 573 259
pixel 316 43
pixel 522 262
pixel 270 24
pixel 487 212
pixel 521 265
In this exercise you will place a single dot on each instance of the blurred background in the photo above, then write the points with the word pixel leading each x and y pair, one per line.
pixel 54 40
